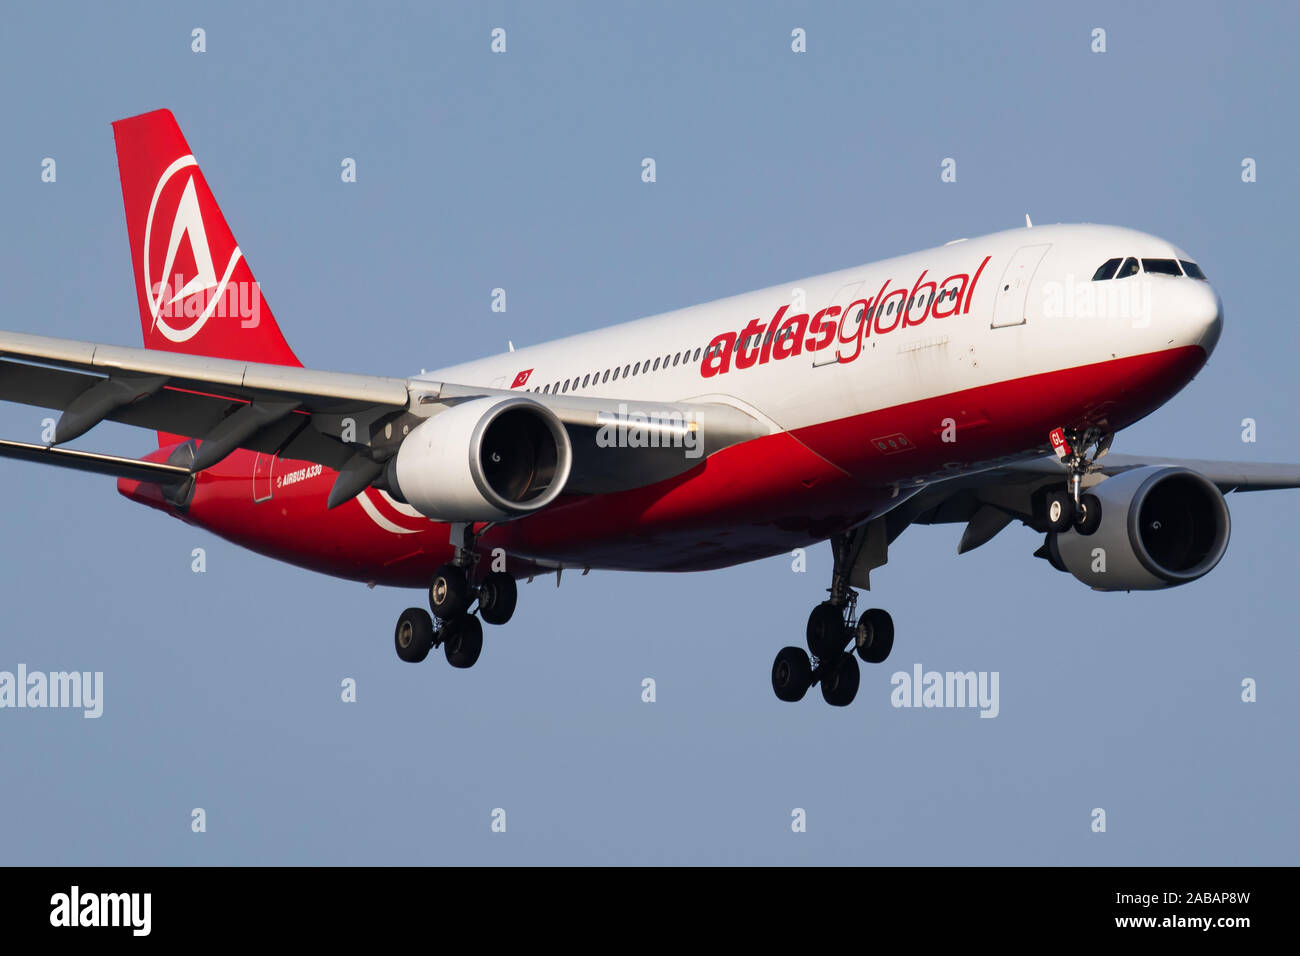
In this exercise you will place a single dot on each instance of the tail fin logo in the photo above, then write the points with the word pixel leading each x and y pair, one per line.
pixel 185 288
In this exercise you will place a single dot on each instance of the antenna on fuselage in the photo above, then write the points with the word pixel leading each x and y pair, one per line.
pixel 1028 224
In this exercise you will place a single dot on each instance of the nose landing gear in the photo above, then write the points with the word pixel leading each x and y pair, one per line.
pixel 1071 507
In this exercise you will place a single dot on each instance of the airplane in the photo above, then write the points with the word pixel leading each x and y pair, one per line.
pixel 979 382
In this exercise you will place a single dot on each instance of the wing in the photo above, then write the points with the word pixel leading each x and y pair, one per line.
pixel 988 501
pixel 1228 475
pixel 350 423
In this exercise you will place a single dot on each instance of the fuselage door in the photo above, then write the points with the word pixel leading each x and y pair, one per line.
pixel 827 354
pixel 262 477
pixel 1013 290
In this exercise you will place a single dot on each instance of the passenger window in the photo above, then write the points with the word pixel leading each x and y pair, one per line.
pixel 656 368
pixel 585 380
pixel 566 384
pixel 1192 269
pixel 606 378
pixel 1106 270
pixel 626 368
pixel 697 355
pixel 1161 267
pixel 636 368
pixel 1129 268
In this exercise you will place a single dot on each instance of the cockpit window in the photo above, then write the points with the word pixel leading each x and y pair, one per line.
pixel 1106 270
pixel 1161 267
pixel 1129 268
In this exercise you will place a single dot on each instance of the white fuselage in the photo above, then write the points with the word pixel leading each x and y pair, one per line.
pixel 1018 303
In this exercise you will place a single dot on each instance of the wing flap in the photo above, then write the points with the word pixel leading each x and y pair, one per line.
pixel 112 465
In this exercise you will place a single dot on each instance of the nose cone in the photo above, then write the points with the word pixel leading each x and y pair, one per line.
pixel 1205 318
pixel 1191 311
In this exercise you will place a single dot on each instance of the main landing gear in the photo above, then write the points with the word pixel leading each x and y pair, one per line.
pixel 1071 508
pixel 457 606
pixel 833 638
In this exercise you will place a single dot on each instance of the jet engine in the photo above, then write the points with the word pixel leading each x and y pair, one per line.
pixel 1161 526
pixel 486 459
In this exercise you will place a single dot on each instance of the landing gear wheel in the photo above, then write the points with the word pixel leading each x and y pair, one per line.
pixel 449 592
pixel 791 674
pixel 1060 511
pixel 826 636
pixel 497 596
pixel 462 640
pixel 1087 516
pixel 874 635
pixel 840 682
pixel 413 636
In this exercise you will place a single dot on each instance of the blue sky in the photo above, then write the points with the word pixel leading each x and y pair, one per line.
pixel 522 171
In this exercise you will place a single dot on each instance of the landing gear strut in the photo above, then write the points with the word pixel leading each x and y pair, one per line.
pixel 833 636
pixel 455 601
pixel 1072 508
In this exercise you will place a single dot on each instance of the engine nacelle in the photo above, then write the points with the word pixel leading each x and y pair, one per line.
pixel 1161 526
pixel 487 459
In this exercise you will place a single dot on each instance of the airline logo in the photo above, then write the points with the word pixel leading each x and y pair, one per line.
pixel 522 378
pixel 181 280
pixel 845 328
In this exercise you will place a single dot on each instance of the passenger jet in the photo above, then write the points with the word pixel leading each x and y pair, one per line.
pixel 979 382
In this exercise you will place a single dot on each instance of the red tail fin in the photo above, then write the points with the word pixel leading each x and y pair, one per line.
pixel 197 294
